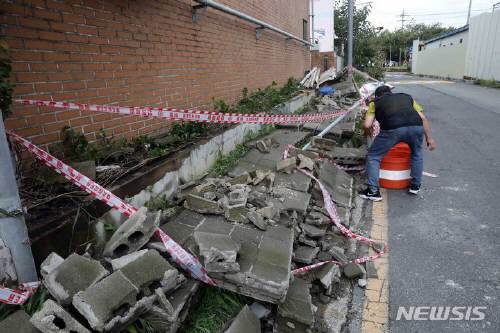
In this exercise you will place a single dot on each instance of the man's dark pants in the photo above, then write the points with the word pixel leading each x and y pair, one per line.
pixel 413 136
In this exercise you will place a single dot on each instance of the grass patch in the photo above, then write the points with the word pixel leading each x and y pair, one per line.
pixel 225 163
pixel 215 308
pixel 488 83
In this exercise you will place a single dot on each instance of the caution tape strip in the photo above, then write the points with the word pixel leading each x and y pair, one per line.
pixel 334 217
pixel 190 115
pixel 178 254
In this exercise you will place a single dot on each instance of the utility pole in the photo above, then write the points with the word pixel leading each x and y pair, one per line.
pixel 349 38
pixel 468 14
pixel 13 229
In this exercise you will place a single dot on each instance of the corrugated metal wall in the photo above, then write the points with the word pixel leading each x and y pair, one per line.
pixel 483 50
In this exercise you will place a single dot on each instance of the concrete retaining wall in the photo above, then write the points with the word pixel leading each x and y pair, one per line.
pixel 202 158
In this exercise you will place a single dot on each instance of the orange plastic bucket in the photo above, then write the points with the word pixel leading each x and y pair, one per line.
pixel 395 168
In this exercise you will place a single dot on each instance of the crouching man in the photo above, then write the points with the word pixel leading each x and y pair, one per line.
pixel 401 120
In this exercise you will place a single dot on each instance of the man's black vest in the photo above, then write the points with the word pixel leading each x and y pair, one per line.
pixel 396 110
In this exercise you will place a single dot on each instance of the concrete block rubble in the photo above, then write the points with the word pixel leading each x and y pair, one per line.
pixel 250 229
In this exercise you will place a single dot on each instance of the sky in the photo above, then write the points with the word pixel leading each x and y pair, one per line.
pixel 386 13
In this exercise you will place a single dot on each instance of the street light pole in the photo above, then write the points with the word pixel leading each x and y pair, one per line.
pixel 13 229
pixel 349 38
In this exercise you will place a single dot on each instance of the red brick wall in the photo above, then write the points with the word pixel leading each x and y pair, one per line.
pixel 317 59
pixel 136 53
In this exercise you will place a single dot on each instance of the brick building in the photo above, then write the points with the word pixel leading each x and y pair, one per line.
pixel 323 60
pixel 136 53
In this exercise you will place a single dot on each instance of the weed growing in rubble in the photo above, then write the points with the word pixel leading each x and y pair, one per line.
pixel 215 308
pixel 188 130
pixel 225 163
pixel 261 100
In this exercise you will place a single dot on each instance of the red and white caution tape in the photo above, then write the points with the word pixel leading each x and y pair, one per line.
pixel 18 297
pixel 178 254
pixel 334 217
pixel 189 115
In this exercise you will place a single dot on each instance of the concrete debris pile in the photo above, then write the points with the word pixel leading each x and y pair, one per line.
pixel 249 229
pixel 311 79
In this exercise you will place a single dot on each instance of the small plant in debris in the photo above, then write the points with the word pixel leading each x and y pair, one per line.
pixel 75 146
pixel 261 100
pixel 215 309
pixel 188 130
pixel 225 163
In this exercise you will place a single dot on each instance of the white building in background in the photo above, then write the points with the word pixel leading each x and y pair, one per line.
pixel 442 56
pixel 471 52
pixel 482 60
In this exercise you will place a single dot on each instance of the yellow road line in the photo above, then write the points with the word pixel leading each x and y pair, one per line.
pixel 376 305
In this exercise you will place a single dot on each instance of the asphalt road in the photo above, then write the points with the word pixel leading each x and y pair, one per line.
pixel 445 243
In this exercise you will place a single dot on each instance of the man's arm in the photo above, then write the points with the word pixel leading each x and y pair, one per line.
pixel 431 143
pixel 369 118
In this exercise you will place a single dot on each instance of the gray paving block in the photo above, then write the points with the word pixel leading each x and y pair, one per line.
pixel 148 268
pixel 293 200
pixel 305 254
pixel 18 322
pixel 106 299
pixel 133 234
pixel 74 274
pixel 52 318
pixel 295 181
pixel 219 252
pixel 298 303
pixel 245 322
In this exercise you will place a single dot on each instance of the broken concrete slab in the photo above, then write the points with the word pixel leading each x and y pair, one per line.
pixel 293 200
pixel 294 181
pixel 305 254
pixel 352 270
pixel 312 231
pixel 113 296
pixel 338 182
pixel 244 178
pixel 305 162
pixel 236 213
pixel 18 322
pixel 318 219
pixel 150 269
pixel 238 196
pixel 262 146
pixel 328 274
pixel 258 220
pixel 245 322
pixel 322 143
pixel 133 234
pixel 298 303
pixel 120 262
pixel 50 263
pixel 269 211
pixel 52 318
pixel 348 155
pixel 170 321
pixel 74 274
pixel 7 269
pixel 202 205
pixel 219 252
pixel 260 310
pixel 287 164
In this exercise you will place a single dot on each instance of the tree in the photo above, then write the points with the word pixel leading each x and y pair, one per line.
pixel 402 39
pixel 363 32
